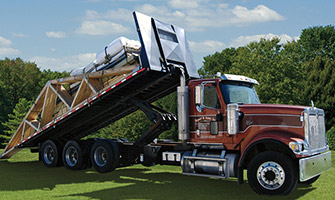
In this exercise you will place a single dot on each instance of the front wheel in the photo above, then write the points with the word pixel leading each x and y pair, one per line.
pixel 272 173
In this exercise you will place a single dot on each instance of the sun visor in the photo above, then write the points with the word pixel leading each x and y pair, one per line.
pixel 163 44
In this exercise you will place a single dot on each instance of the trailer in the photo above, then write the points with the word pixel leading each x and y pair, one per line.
pixel 223 128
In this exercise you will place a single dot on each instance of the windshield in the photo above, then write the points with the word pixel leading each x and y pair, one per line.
pixel 239 92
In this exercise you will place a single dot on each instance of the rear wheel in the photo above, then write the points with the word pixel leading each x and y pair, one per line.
pixel 105 156
pixel 50 154
pixel 272 173
pixel 73 155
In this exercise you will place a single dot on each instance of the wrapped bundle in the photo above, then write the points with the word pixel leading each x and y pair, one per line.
pixel 118 49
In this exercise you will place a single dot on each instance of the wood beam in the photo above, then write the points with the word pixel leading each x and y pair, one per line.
pixel 48 107
pixel 93 84
pixel 34 125
pixel 98 74
pixel 63 95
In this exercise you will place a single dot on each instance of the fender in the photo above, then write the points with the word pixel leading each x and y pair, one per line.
pixel 280 138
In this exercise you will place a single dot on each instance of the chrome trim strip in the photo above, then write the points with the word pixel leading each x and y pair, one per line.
pixel 272 115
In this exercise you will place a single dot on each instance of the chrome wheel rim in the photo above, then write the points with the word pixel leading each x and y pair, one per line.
pixel 271 175
pixel 49 154
pixel 71 156
pixel 100 156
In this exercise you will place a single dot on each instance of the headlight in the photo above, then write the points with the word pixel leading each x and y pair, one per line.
pixel 298 146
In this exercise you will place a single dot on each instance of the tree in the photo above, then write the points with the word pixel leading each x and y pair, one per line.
pixel 19 80
pixel 4 108
pixel 130 127
pixel 48 75
pixel 14 120
pixel 320 85
pixel 169 103
pixel 317 40
pixel 218 62
pixel 266 61
pixel 317 46
pixel 292 73
pixel 331 138
pixel 135 124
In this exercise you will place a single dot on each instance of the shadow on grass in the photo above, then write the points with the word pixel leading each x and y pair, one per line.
pixel 135 183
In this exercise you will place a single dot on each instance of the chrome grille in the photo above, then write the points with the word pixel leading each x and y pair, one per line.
pixel 315 133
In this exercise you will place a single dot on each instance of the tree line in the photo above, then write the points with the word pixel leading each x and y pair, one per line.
pixel 20 84
pixel 296 72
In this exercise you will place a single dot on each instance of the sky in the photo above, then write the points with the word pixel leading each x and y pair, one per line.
pixel 65 34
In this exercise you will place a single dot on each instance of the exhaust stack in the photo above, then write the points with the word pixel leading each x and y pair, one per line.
pixel 183 111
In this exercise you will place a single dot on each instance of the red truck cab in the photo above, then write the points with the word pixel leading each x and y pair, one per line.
pixel 278 144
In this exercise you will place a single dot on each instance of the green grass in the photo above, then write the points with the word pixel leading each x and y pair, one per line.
pixel 23 177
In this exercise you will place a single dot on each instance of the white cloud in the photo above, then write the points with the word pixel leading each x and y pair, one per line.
pixel 189 4
pixel 20 35
pixel 6 49
pixel 260 13
pixel 93 1
pixel 119 14
pixel 244 40
pixel 193 15
pixel 67 63
pixel 207 46
pixel 199 15
pixel 5 42
pixel 53 34
pixel 101 27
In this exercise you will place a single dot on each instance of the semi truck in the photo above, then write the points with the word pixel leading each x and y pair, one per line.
pixel 223 128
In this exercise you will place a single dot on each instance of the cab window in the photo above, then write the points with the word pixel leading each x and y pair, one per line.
pixel 210 97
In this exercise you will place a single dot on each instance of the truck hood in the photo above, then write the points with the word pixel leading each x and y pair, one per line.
pixel 271 115
pixel 271 109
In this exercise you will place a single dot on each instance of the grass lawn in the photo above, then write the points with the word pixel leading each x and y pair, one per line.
pixel 23 177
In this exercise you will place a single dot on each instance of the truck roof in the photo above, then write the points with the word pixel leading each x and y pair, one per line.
pixel 232 77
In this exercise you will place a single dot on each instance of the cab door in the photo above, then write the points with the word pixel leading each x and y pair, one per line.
pixel 206 118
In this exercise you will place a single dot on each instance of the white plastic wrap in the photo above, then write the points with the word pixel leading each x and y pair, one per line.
pixel 114 51
pixel 77 71
pixel 89 68
pixel 114 58
pixel 115 47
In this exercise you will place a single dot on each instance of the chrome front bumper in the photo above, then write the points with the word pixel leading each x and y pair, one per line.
pixel 314 165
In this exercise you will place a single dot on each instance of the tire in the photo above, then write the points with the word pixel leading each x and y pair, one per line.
pixel 86 148
pixel 272 173
pixel 310 181
pixel 105 156
pixel 73 157
pixel 50 154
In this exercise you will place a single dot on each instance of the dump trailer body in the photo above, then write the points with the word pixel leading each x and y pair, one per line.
pixel 164 54
pixel 109 106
